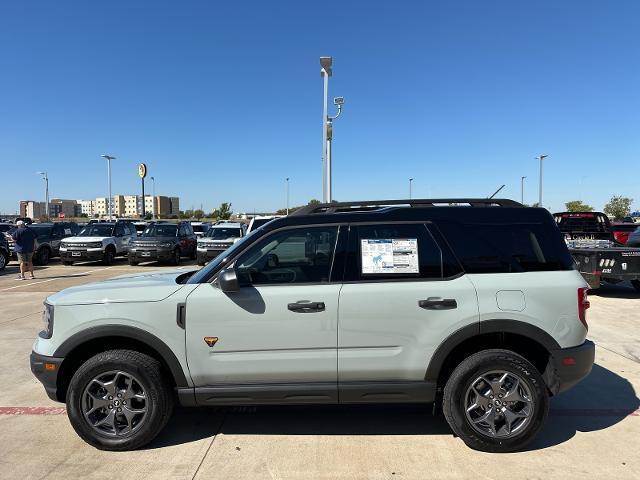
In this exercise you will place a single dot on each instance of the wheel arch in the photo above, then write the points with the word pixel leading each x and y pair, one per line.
pixel 526 339
pixel 84 345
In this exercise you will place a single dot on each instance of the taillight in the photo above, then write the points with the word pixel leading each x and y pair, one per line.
pixel 583 304
pixel 621 237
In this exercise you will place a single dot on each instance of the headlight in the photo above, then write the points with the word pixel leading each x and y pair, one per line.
pixel 47 319
pixel 94 245
pixel 201 245
pixel 64 245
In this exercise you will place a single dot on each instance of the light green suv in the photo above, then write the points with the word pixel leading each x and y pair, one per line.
pixel 470 303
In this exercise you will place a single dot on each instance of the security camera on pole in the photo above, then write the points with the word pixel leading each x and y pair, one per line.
pixel 327 128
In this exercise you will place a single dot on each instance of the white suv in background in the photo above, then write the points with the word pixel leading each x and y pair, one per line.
pixel 218 238
pixel 99 241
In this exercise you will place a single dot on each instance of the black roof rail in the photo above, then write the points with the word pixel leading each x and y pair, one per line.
pixel 337 207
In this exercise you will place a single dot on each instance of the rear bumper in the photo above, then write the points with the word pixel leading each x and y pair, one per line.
pixel 567 366
pixel 46 370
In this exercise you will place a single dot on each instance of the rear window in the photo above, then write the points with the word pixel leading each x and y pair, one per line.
pixel 581 222
pixel 505 248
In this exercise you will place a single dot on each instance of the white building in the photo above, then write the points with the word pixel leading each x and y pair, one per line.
pixel 87 207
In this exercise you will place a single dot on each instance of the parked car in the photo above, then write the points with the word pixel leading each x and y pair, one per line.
pixel 200 228
pixel 475 306
pixel 5 255
pixel 162 242
pixel 5 227
pixel 218 238
pixel 259 220
pixel 101 241
pixel 48 239
pixel 634 238
pixel 598 249
pixel 141 227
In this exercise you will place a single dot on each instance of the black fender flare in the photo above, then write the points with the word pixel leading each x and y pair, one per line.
pixel 486 326
pixel 125 331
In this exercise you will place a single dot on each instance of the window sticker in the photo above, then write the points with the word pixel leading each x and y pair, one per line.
pixel 67 231
pixel 389 255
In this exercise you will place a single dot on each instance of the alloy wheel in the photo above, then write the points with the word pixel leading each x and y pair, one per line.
pixel 499 404
pixel 114 403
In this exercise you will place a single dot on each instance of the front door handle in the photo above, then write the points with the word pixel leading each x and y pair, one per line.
pixel 306 307
pixel 438 303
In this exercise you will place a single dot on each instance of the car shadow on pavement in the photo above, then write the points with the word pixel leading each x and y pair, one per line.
pixel 600 401
pixel 622 290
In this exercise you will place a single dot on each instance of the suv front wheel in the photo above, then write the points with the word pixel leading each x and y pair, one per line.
pixel 118 400
pixel 496 401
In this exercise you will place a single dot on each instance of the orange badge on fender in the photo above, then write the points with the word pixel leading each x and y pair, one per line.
pixel 211 341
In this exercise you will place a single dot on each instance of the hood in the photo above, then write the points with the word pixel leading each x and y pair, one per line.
pixel 83 239
pixel 220 240
pixel 144 287
pixel 155 239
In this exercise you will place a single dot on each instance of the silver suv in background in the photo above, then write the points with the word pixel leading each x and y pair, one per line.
pixel 218 238
pixel 99 241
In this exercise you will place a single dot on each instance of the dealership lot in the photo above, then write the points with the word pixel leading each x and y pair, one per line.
pixel 592 429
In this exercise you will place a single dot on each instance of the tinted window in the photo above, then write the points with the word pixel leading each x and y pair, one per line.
pixel 489 248
pixel 119 230
pixel 301 255
pixel 222 233
pixel 97 230
pixel 41 230
pixel 161 230
pixel 391 251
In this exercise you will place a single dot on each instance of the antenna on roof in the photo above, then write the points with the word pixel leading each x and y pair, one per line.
pixel 496 192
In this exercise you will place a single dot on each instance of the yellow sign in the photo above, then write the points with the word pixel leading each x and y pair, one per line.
pixel 142 170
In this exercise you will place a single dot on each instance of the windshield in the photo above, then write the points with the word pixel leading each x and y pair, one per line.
pixel 97 230
pixel 204 272
pixel 161 231
pixel 222 233
pixel 140 227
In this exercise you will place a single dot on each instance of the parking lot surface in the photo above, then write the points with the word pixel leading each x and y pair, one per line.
pixel 592 431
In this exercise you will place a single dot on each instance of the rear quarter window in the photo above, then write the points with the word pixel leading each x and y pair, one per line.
pixel 506 248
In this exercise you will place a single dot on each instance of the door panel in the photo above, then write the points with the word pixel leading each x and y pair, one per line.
pixel 385 335
pixel 259 339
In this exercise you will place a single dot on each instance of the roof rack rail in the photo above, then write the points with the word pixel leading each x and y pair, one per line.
pixel 369 205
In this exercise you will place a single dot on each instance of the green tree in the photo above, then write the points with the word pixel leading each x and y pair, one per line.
pixel 224 212
pixel 618 207
pixel 198 214
pixel 577 206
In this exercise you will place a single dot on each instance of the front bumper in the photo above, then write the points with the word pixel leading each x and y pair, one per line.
pixel 88 255
pixel 567 366
pixel 46 370
pixel 150 255
pixel 208 254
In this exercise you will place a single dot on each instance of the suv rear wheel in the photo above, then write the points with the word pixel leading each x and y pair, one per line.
pixel 118 400
pixel 496 401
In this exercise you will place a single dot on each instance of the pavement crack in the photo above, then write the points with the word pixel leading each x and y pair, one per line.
pixel 619 354
pixel 195 474
pixel 23 316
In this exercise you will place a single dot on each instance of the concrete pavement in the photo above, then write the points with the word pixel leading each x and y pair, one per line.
pixel 592 430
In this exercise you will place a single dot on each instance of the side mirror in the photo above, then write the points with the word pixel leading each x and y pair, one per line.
pixel 228 281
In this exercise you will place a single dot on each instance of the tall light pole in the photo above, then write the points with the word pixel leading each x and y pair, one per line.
pixel 45 177
pixel 109 158
pixel 410 182
pixel 522 189
pixel 153 197
pixel 287 195
pixel 325 73
pixel 541 158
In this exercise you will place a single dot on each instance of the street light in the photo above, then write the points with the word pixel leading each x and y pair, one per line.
pixel 522 189
pixel 327 128
pixel 153 197
pixel 410 182
pixel 109 158
pixel 287 195
pixel 45 177
pixel 541 158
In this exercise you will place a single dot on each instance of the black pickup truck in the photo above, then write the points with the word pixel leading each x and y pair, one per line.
pixel 599 255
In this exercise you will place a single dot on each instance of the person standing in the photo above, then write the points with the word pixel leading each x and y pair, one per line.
pixel 25 239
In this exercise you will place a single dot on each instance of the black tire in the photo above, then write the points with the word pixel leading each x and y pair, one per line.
pixel 201 263
pixel 481 363
pixel 42 256
pixel 67 262
pixel 194 254
pixel 175 260
pixel 108 256
pixel 133 263
pixel 636 285
pixel 158 400
pixel 4 260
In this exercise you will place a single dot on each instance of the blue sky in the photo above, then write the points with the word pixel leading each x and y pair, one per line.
pixel 223 100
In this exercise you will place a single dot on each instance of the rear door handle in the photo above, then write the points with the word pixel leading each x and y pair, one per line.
pixel 306 307
pixel 438 303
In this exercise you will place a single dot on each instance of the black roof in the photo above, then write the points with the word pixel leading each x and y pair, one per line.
pixel 463 210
